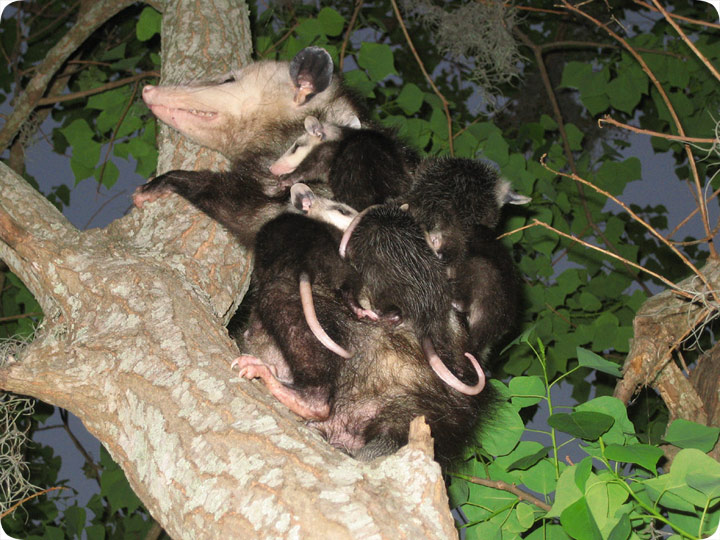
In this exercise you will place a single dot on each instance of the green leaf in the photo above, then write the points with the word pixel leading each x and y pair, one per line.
pixel 575 136
pixel 358 81
pixel 74 520
pixel 526 391
pixel 623 430
pixel 567 492
pixel 410 98
pixel 583 472
pixel 686 434
pixel 110 173
pixel 116 488
pixel 95 532
pixel 525 515
pixel 528 461
pixel 541 477
pixel 613 176
pixel 53 533
pixel 622 529
pixel 589 359
pixel 584 425
pixel 148 24
pixel 707 483
pixel 578 521
pixel 644 455
pixel 503 434
pixel 331 22
pixel 308 29
pixel 377 59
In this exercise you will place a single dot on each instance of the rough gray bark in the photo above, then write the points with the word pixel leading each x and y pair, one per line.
pixel 661 326
pixel 133 343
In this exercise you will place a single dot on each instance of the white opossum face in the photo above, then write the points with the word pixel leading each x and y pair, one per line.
pixel 337 214
pixel 253 111
pixel 315 133
pixel 218 116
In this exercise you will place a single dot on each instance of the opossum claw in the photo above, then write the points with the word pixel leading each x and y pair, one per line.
pixel 444 373
pixel 252 367
pixel 312 321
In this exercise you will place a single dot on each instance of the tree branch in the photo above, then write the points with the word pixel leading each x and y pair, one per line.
pixel 676 120
pixel 86 24
pixel 439 94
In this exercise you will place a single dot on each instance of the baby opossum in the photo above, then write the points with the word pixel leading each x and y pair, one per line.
pixel 362 166
pixel 251 120
pixel 362 404
pixel 397 273
pixel 458 203
pixel 291 250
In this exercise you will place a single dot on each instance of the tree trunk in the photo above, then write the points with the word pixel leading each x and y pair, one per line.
pixel 133 343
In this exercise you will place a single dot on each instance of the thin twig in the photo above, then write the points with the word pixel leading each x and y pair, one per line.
pixel 26 499
pixel 569 44
pixel 427 76
pixel 608 120
pixel 549 90
pixel 691 215
pixel 680 17
pixel 640 220
pixel 21 316
pixel 97 90
pixel 537 223
pixel 279 41
pixel 88 458
pixel 346 39
pixel 103 205
pixel 111 142
pixel 689 43
pixel 511 488
pixel 676 120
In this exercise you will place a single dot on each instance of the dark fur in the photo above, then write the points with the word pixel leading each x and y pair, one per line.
pixel 362 167
pixel 374 395
pixel 398 272
pixel 285 247
pixel 456 202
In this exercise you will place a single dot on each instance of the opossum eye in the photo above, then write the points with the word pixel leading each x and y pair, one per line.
pixel 294 148
pixel 229 79
pixel 344 211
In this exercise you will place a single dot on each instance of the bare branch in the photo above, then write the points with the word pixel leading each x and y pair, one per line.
pixel 86 24
pixel 439 94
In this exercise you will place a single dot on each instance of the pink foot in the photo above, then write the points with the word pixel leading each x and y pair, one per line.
pixel 252 367
pixel 140 196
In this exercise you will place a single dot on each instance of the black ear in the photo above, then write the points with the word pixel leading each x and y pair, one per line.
pixel 311 72
pixel 302 197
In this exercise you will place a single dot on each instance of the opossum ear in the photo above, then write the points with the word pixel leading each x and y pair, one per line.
pixel 354 122
pixel 505 195
pixel 311 72
pixel 315 128
pixel 302 197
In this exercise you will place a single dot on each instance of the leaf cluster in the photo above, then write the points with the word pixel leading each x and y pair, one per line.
pixel 512 487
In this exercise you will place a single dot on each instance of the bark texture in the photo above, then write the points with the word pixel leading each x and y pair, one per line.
pixel 134 344
pixel 663 326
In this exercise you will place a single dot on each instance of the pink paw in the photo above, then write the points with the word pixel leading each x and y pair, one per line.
pixel 251 367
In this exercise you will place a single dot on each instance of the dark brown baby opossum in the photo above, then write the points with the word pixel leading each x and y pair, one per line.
pixel 364 403
pixel 397 273
pixel 458 203
pixel 362 166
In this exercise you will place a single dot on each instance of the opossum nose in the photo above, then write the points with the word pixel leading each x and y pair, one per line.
pixel 148 89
